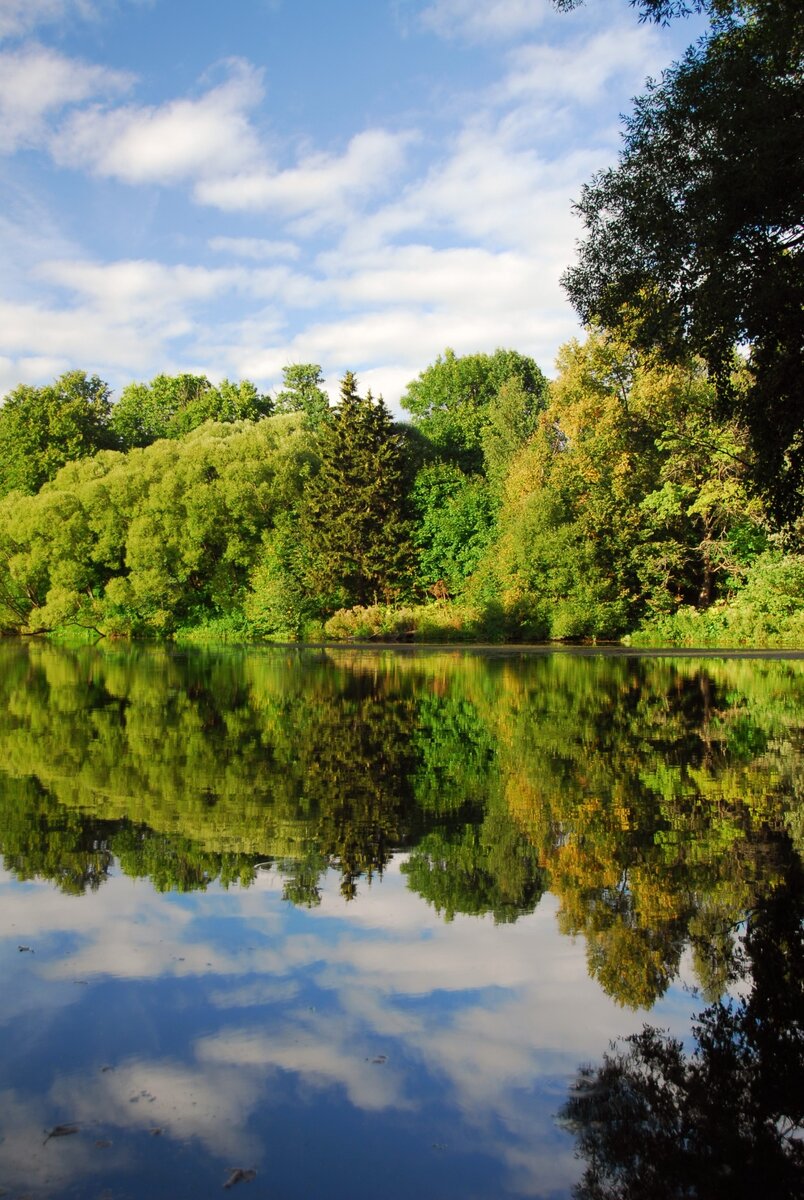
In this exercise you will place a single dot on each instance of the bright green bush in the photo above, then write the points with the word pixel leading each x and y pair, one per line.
pixel 768 611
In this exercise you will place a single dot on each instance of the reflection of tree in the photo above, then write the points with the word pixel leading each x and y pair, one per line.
pixel 479 868
pixel 40 839
pixel 726 1120
pixel 197 766
pixel 656 795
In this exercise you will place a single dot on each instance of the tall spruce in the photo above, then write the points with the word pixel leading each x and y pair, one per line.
pixel 353 518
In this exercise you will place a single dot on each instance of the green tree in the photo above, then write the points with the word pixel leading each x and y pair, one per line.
pixel 42 428
pixel 150 540
pixel 455 521
pixel 171 406
pixel 695 239
pixel 452 401
pixel 302 391
pixel 631 494
pixel 352 515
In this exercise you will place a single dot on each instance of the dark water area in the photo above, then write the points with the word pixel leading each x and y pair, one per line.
pixel 331 922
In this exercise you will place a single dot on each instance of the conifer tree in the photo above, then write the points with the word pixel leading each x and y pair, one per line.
pixel 353 517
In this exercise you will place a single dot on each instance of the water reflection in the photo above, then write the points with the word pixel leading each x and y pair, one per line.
pixel 365 1035
pixel 218 961
pixel 726 1119
pixel 657 798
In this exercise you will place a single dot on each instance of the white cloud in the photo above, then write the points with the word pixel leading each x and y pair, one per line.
pixel 479 20
pixel 146 290
pixel 466 251
pixel 29 369
pixel 36 83
pixel 21 16
pixel 180 140
pixel 580 71
pixel 258 249
pixel 320 182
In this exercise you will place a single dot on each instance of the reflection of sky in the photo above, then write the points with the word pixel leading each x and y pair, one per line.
pixel 331 1049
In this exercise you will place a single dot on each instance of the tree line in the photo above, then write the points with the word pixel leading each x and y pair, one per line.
pixel 615 497
pixel 654 489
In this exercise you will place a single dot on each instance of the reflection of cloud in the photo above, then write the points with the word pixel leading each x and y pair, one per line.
pixel 207 1103
pixel 28 1161
pixel 492 1021
pixel 253 994
pixel 322 1052
pixel 127 931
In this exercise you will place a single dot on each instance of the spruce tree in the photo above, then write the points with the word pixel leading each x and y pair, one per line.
pixel 353 518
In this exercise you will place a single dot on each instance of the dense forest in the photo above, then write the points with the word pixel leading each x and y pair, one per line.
pixel 653 489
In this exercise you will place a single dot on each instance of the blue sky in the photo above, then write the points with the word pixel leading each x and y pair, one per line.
pixel 188 185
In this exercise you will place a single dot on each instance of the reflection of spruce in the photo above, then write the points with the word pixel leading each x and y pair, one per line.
pixel 642 794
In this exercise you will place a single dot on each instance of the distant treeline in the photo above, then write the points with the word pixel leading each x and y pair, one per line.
pixel 616 500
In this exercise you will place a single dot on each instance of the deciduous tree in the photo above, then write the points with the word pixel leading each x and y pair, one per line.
pixel 695 239
pixel 42 428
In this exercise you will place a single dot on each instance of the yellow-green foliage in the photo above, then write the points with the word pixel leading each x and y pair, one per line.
pixel 437 622
pixel 146 541
pixel 631 493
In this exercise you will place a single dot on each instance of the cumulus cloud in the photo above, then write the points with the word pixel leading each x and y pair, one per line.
pixel 319 182
pixel 21 16
pixel 580 71
pixel 36 83
pixel 181 140
pixel 210 143
pixel 479 20
pixel 376 257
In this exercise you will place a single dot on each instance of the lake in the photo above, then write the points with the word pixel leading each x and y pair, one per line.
pixel 336 922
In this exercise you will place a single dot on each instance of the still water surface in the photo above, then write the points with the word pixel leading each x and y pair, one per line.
pixel 325 923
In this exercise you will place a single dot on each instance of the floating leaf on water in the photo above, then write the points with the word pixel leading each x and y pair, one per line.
pixel 60 1131
pixel 239 1175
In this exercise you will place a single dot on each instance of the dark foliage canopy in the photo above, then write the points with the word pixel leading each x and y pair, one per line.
pixel 695 239
pixel 724 1121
